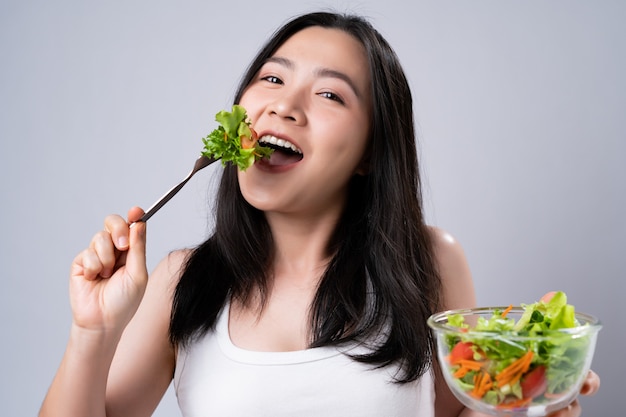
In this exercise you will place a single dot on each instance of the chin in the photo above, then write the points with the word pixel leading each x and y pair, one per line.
pixel 258 200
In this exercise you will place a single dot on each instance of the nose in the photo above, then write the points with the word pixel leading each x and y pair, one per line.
pixel 288 105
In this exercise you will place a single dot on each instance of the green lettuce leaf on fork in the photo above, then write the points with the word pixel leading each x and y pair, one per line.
pixel 234 140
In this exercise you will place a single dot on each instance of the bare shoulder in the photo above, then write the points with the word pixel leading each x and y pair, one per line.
pixel 457 292
pixel 453 266
pixel 446 246
pixel 168 270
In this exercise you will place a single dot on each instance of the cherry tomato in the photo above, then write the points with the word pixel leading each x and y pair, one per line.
pixel 462 351
pixel 249 142
pixel 534 383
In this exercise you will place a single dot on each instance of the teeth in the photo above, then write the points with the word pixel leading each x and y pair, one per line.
pixel 279 142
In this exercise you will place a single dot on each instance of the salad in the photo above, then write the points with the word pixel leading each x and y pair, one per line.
pixel 538 364
pixel 234 140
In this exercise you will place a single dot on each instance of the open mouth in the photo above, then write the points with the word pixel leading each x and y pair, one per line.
pixel 285 152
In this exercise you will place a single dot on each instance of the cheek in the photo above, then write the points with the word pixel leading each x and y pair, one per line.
pixel 353 147
pixel 250 101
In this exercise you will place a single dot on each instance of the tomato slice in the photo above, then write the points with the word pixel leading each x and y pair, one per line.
pixel 534 383
pixel 462 351
pixel 249 142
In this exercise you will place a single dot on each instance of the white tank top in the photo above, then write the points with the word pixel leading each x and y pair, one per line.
pixel 214 378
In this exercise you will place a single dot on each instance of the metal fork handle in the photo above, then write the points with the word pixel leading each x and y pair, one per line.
pixel 172 192
pixel 167 197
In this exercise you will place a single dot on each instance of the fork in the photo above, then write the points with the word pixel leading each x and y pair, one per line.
pixel 201 162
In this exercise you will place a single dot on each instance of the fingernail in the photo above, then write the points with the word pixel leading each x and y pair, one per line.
pixel 122 242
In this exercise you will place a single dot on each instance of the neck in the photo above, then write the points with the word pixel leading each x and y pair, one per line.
pixel 301 246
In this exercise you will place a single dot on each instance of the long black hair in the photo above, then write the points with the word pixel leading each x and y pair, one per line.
pixel 382 281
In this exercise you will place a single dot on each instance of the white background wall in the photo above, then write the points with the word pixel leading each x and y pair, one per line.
pixel 520 108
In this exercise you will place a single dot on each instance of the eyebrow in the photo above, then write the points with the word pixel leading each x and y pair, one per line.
pixel 320 72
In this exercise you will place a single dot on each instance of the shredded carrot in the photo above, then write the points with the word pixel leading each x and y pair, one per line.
pixel 461 372
pixel 515 370
pixel 482 384
pixel 506 311
pixel 466 365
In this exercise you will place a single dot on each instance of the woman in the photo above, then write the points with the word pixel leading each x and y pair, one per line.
pixel 311 296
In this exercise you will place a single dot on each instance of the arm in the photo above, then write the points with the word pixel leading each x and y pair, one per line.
pixel 143 365
pixel 457 292
pixel 117 359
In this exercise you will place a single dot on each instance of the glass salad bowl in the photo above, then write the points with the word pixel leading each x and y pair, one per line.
pixel 515 361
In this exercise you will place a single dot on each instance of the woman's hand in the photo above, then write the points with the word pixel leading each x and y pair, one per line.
pixel 108 279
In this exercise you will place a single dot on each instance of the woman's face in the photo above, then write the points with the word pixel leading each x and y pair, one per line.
pixel 313 98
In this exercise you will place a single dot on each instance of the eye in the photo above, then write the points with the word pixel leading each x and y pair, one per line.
pixel 331 96
pixel 272 79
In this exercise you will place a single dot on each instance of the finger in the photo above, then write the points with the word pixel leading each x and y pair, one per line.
pixel 87 264
pixel 591 385
pixel 118 228
pixel 103 247
pixel 548 296
pixel 136 256
pixel 134 214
